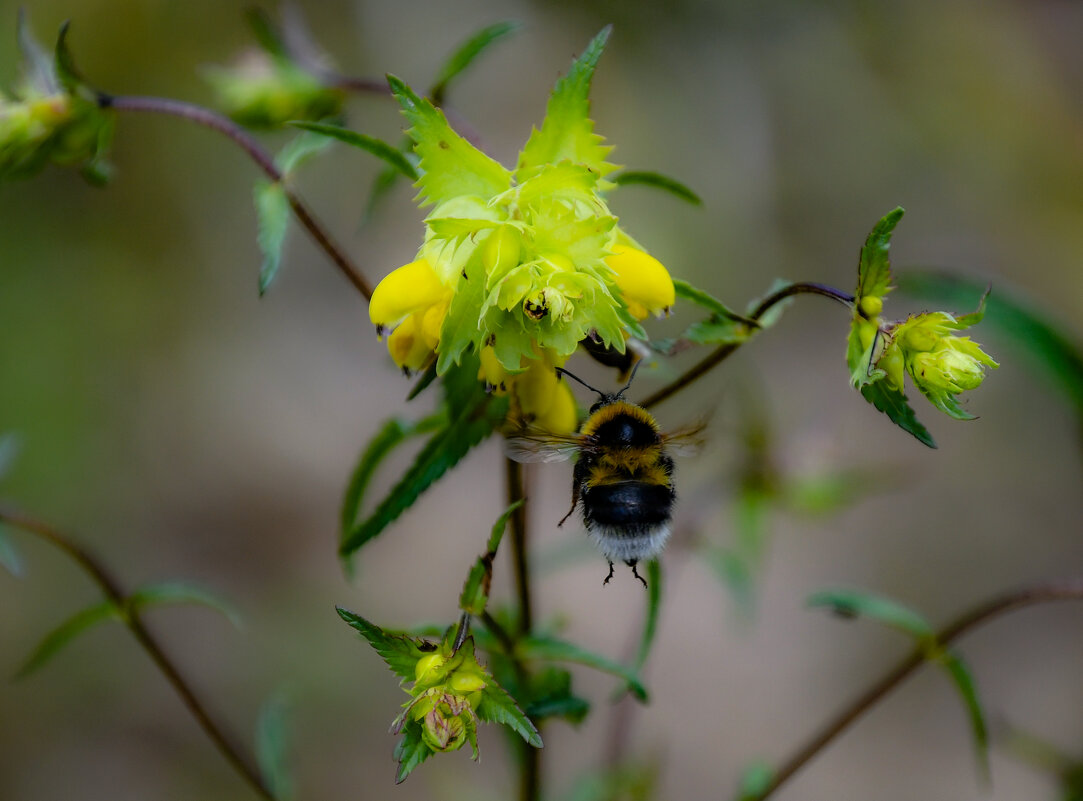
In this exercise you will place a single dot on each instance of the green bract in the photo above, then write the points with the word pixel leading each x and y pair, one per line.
pixel 261 91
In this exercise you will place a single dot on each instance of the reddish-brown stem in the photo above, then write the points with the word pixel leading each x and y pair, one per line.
pixel 241 762
pixel 217 122
pixel 1071 590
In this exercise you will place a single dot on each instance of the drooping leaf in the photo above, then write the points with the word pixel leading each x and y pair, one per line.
pixel 893 403
pixel 393 433
pixel 10 558
pixel 554 650
pixel 300 149
pixel 273 215
pixel 475 593
pixel 389 154
pixel 551 696
pixel 466 54
pixel 410 751
pixel 874 267
pixel 176 592
pixel 568 131
pixel 723 326
pixel 964 683
pixel 756 779
pixel 650 620
pixel 496 706
pixel 67 631
pixel 272 747
pixel 450 166
pixel 657 181
pixel 852 603
pixel 400 652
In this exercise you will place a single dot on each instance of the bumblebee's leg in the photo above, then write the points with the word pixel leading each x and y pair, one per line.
pixel 635 572
pixel 575 503
pixel 609 576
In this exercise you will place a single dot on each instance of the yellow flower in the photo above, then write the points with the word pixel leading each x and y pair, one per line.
pixel 644 283
pixel 414 302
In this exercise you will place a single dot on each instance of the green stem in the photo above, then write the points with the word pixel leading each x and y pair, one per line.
pixel 716 357
pixel 244 764
pixel 217 122
pixel 1071 590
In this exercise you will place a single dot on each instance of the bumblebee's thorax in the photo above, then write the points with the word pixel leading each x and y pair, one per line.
pixel 619 424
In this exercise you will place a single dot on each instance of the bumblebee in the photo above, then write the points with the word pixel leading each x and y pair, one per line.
pixel 623 476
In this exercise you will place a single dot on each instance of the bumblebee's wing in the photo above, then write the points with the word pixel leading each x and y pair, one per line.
pixel 536 445
pixel 686 441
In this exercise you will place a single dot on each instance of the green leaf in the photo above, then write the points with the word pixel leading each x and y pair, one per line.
pixel 64 63
pixel 450 166
pixel 267 34
pixel 466 54
pixel 393 433
pixel 551 697
pixel 874 268
pixel 1047 345
pixel 554 650
pixel 964 682
pixel 774 313
pixel 400 652
pixel 273 214
pixel 893 403
pixel 658 181
pixel 852 603
pixel 717 308
pixel 496 706
pixel 10 558
pixel 391 155
pixel 67 631
pixel 756 780
pixel 299 150
pixel 475 594
pixel 736 574
pixel 650 620
pixel 272 747
pixel 39 69
pixel 567 131
pixel 175 592
pixel 410 751
pixel 460 327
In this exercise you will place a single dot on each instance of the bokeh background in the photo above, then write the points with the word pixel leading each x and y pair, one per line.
pixel 184 428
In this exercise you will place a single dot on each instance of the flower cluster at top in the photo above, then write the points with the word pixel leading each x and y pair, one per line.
pixel 518 265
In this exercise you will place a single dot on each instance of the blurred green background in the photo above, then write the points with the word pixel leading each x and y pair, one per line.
pixel 184 428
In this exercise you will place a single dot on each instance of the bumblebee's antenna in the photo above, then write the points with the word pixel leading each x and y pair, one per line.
pixel 562 371
pixel 631 378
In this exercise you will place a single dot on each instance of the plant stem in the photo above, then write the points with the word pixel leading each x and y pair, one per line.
pixel 1071 590
pixel 722 351
pixel 217 122
pixel 241 762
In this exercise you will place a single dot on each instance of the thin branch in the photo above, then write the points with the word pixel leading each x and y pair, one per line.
pixel 706 364
pixel 217 122
pixel 1071 590
pixel 241 762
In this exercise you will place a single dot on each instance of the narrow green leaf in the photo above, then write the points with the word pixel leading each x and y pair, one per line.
pixel 267 34
pixel 389 154
pixel 64 63
pixel 773 314
pixel 410 751
pixel 10 558
pixel 393 433
pixel 176 592
pixel 755 781
pixel 893 403
pixel 496 706
pixel 300 149
pixel 964 682
pixel 400 652
pixel 714 305
pixel 852 603
pixel 658 181
pixel 475 593
pixel 273 214
pixel 874 268
pixel 650 620
pixel 272 747
pixel 466 54
pixel 63 634
pixel 554 650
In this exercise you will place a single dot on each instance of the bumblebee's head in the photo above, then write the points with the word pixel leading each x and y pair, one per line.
pixel 604 398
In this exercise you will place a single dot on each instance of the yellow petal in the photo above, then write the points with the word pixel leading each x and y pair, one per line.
pixel 562 417
pixel 642 280
pixel 492 372
pixel 408 289
pixel 407 344
pixel 433 321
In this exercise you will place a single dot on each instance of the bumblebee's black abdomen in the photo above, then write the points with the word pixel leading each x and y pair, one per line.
pixel 632 505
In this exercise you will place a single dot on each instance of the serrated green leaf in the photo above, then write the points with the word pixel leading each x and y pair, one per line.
pixel 176 592
pixel 393 433
pixel 39 69
pixel 389 154
pixel 10 558
pixel 273 215
pixel 874 267
pixel 567 131
pixel 399 651
pixel 852 603
pixel 554 650
pixel 657 181
pixel 460 327
pixel 63 634
pixel 466 54
pixel 300 149
pixel 475 593
pixel 755 781
pixel 267 34
pixel 893 403
pixel 1046 344
pixel 496 706
pixel 964 682
pixel 410 751
pixel 272 747
pixel 450 166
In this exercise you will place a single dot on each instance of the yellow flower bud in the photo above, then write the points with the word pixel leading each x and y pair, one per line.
pixel 500 252
pixel 871 305
pixel 426 664
pixel 408 289
pixel 464 682
pixel 642 280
